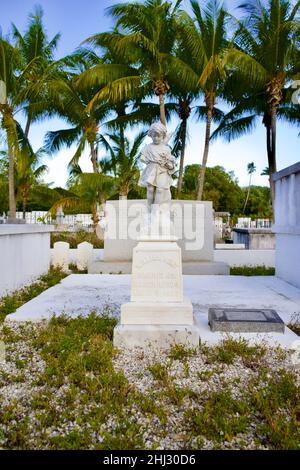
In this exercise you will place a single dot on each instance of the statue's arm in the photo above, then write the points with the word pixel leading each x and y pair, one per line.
pixel 144 155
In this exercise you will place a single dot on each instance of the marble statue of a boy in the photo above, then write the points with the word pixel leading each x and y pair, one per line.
pixel 160 165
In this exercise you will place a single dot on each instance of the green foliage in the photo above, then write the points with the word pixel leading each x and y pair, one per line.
pixel 252 271
pixel 259 203
pixel 75 238
pixel 220 187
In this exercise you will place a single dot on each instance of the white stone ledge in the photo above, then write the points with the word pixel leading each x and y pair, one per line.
pixel 286 230
pixel 293 169
pixel 15 229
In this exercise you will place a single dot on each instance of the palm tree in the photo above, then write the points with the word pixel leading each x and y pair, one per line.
pixel 251 168
pixel 28 169
pixel 11 76
pixel 184 112
pixel 36 49
pixel 88 189
pixel 147 43
pixel 206 38
pixel 122 162
pixel 70 102
pixel 24 70
pixel 268 58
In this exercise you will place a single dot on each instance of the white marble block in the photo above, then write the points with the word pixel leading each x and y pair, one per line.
pixel 61 255
pixel 158 314
pixel 156 272
pixel 84 255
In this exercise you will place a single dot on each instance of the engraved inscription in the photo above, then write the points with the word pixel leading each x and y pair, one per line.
pixel 152 258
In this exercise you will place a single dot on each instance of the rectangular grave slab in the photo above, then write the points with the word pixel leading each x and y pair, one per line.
pixel 232 320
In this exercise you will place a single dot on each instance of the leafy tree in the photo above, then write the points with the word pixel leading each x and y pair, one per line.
pixel 220 187
pixel 259 203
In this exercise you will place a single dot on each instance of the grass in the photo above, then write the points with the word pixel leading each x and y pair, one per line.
pixel 229 350
pixel 11 302
pixel 75 238
pixel 221 418
pixel 252 271
pixel 277 399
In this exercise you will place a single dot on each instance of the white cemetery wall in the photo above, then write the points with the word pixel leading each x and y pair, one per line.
pixel 287 224
pixel 24 254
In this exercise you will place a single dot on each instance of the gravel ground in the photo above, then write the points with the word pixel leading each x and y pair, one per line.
pixel 178 388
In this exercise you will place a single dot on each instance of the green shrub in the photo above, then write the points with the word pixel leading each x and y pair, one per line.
pixel 75 238
pixel 252 271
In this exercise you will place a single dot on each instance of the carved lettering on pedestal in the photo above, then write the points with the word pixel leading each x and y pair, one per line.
pixel 152 258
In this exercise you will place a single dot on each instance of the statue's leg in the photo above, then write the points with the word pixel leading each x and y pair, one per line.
pixel 150 196
pixel 159 196
pixel 162 203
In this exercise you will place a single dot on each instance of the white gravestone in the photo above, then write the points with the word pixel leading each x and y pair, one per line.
pixel 61 255
pixel 84 255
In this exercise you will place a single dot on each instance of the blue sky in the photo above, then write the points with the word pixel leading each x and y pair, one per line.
pixel 76 20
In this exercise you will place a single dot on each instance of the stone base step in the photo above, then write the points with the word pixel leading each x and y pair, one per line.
pixel 157 313
pixel 203 268
pixel 155 336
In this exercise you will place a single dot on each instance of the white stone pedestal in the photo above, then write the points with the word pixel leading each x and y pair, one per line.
pixel 158 314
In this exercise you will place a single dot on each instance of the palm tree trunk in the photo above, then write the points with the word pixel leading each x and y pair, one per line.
pixel 182 154
pixel 122 139
pixel 95 217
pixel 11 181
pixel 205 154
pixel 162 109
pixel 248 194
pixel 272 156
pixel 94 158
pixel 24 203
pixel 123 195
pixel 28 126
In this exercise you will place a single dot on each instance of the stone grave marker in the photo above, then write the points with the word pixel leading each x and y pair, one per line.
pixel 61 255
pixel 233 320
pixel 84 255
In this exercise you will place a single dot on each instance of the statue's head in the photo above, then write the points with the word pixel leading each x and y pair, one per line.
pixel 158 133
